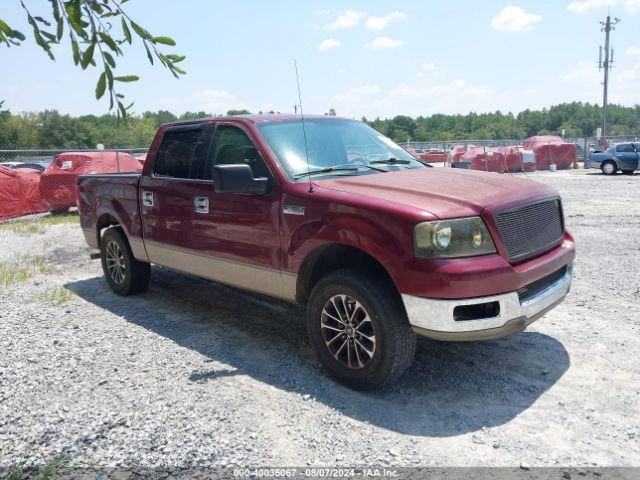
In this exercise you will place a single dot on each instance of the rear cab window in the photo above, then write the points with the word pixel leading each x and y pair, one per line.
pixel 182 152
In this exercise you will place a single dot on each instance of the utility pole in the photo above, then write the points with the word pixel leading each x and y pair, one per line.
pixel 607 26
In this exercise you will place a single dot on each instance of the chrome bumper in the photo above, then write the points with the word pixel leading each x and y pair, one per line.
pixel 434 318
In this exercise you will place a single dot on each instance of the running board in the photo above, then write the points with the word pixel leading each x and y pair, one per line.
pixel 94 256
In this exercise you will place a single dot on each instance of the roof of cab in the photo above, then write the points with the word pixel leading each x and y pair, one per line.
pixel 253 118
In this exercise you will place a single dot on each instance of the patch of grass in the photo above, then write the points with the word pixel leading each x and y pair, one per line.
pixel 22 268
pixel 55 468
pixel 56 296
pixel 38 224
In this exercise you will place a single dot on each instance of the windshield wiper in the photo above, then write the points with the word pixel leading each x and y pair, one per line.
pixel 393 160
pixel 342 167
pixel 325 170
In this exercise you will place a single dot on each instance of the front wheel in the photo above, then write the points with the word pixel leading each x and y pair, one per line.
pixel 609 168
pixel 359 329
pixel 124 274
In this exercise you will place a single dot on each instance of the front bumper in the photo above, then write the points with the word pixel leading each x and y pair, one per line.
pixel 435 318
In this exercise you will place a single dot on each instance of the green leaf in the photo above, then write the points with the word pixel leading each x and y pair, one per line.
pixel 107 70
pixel 109 59
pixel 176 58
pixel 9 32
pixel 87 56
pixel 164 41
pixel 127 78
pixel 60 30
pixel 76 51
pixel 149 56
pixel 108 40
pixel 123 111
pixel 126 31
pixel 42 20
pixel 142 33
pixel 52 38
pixel 101 86
pixel 179 70
pixel 56 10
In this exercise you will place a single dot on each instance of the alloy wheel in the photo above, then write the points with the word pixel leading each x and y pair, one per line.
pixel 348 332
pixel 115 262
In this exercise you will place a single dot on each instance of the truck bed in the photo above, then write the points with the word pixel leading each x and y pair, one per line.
pixel 107 197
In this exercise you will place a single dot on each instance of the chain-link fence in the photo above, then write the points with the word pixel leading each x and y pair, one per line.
pixel 584 146
pixel 44 180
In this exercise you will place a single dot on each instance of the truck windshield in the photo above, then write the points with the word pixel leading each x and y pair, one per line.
pixel 332 142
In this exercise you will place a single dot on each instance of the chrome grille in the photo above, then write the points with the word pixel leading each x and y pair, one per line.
pixel 531 229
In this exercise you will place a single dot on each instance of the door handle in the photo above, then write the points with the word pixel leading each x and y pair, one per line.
pixel 201 204
pixel 147 199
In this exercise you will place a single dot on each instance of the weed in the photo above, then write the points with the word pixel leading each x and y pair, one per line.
pixel 38 224
pixel 22 268
pixel 55 296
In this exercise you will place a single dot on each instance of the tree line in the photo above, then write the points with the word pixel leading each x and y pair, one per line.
pixel 50 129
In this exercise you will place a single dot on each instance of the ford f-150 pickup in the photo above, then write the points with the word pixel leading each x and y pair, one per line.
pixel 329 213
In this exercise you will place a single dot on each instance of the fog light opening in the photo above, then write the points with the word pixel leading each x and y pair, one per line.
pixel 476 311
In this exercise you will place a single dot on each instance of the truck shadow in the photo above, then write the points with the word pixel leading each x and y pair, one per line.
pixel 451 388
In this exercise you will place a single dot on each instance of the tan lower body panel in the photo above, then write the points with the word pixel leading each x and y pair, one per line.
pixel 249 277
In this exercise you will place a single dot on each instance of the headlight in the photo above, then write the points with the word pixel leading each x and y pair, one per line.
pixel 465 237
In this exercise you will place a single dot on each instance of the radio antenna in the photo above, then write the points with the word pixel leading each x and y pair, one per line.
pixel 304 130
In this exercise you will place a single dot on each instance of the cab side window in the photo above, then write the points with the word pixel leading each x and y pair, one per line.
pixel 182 153
pixel 232 146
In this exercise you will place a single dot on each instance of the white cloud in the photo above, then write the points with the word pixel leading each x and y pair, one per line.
pixel 347 19
pixel 457 89
pixel 425 68
pixel 380 23
pixel 384 43
pixel 514 19
pixel 633 52
pixel 328 44
pixel 583 6
pixel 584 81
pixel 209 100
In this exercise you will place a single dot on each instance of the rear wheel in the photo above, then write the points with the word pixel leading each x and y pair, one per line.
pixel 124 274
pixel 609 168
pixel 359 329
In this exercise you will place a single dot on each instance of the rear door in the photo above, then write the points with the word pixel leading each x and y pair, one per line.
pixel 171 192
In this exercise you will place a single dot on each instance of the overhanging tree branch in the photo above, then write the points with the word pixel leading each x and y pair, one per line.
pixel 90 25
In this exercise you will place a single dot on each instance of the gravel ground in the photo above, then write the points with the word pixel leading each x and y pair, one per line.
pixel 193 373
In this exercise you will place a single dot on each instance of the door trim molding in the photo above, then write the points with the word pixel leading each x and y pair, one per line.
pixel 257 279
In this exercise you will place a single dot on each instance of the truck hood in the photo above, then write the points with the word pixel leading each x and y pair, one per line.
pixel 443 192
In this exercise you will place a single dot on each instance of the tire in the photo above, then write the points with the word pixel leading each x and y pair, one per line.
pixel 368 296
pixel 609 168
pixel 628 172
pixel 124 274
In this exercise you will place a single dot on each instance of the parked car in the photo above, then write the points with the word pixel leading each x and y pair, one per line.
pixel 342 220
pixel 623 156
pixel 58 181
pixel 32 165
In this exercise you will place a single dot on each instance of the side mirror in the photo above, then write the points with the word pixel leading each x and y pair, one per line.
pixel 238 178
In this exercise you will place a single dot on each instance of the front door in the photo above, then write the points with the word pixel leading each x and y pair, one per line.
pixel 627 156
pixel 239 235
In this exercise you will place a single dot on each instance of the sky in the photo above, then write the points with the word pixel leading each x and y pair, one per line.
pixel 361 57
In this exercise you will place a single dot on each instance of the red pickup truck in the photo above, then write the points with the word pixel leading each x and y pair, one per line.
pixel 329 213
